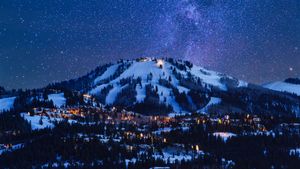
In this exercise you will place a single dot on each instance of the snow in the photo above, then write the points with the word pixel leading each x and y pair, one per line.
pixel 242 84
pixel 163 130
pixel 160 69
pixel 228 163
pixel 172 158
pixel 141 93
pixel 46 121
pixel 142 69
pixel 169 129
pixel 98 89
pixel 173 154
pixel 113 93
pixel 127 161
pixel 284 87
pixel 261 133
pixel 7 103
pixel 35 122
pixel 224 135
pixel 14 147
pixel 213 78
pixel 59 99
pixel 166 93
pixel 213 101
pixel 209 77
pixel 295 151
pixel 109 72
pixel 182 89
pixel 179 113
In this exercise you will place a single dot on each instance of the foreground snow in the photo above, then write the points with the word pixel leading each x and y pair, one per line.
pixel 41 122
pixel 173 155
pixel 7 103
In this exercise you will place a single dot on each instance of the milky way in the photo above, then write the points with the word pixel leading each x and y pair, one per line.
pixel 50 40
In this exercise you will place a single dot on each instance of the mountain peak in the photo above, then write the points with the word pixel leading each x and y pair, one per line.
pixel 167 77
pixel 173 87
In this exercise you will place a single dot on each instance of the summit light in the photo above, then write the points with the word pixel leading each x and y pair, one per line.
pixel 159 63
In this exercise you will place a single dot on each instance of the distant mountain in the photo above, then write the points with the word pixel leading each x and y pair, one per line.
pixel 164 86
pixel 291 85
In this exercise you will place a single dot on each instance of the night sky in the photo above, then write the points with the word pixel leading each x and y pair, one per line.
pixel 42 41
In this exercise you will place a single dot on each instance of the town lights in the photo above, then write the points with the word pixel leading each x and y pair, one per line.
pixel 87 96
pixel 196 147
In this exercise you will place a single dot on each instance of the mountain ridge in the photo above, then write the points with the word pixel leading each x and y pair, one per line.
pixel 177 86
pixel 168 86
pixel 290 85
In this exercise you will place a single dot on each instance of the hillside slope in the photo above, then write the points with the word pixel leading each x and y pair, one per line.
pixel 289 85
pixel 176 84
pixel 162 87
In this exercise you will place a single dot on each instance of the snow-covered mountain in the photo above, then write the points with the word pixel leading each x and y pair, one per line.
pixel 161 69
pixel 149 85
pixel 163 86
pixel 167 77
pixel 291 85
pixel 130 82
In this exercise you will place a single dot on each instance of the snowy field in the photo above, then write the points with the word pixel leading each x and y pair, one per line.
pixel 38 122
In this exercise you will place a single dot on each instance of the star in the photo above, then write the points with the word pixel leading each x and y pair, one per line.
pixel 256 41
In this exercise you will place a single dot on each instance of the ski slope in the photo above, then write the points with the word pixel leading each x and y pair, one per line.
pixel 7 103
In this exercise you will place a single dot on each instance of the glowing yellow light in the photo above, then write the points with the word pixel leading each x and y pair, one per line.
pixel 165 140
pixel 160 63
pixel 87 96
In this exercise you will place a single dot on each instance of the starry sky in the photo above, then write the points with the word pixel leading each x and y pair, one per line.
pixel 44 41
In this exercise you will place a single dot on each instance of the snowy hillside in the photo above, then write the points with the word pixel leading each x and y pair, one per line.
pixel 58 99
pixel 6 103
pixel 284 87
pixel 164 76
pixel 168 87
